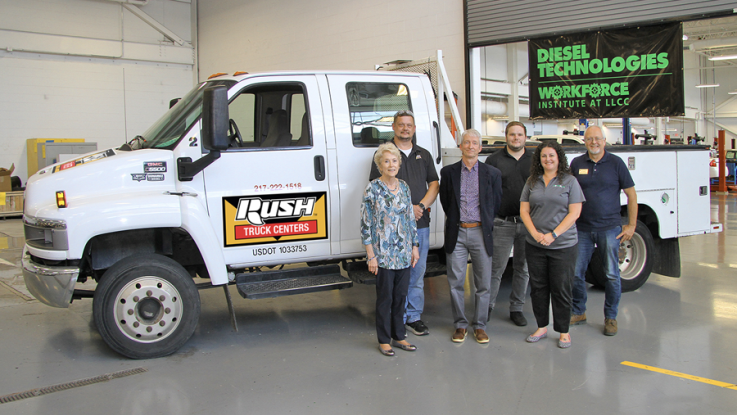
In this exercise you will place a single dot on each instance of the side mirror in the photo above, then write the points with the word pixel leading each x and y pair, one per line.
pixel 215 118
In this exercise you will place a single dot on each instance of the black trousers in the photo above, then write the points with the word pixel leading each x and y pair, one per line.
pixel 551 280
pixel 391 296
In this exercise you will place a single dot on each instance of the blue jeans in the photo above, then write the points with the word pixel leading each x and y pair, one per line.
pixel 416 292
pixel 608 245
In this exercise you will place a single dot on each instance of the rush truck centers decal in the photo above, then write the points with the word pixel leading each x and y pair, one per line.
pixel 266 219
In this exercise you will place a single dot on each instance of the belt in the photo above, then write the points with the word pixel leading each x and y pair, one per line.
pixel 515 219
pixel 470 224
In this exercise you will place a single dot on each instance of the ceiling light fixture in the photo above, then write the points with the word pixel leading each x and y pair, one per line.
pixel 707 86
pixel 722 58
pixel 685 37
pixel 732 93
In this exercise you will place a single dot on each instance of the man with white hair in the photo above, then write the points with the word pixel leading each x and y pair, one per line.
pixel 602 177
pixel 471 194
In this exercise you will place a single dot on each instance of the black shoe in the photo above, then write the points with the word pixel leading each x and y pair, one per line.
pixel 518 318
pixel 418 328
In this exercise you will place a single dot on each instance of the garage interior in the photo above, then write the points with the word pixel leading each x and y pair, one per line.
pixel 103 71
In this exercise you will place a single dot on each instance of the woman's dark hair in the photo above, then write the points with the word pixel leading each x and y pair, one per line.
pixel 536 168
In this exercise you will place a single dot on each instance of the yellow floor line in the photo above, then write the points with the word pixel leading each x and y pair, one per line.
pixel 682 375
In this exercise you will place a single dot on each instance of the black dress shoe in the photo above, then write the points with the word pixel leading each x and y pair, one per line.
pixel 518 318
pixel 405 347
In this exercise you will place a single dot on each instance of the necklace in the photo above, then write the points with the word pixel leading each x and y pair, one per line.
pixel 396 186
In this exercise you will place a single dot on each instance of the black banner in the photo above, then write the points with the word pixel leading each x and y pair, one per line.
pixel 636 72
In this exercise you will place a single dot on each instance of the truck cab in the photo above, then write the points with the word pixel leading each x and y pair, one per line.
pixel 244 174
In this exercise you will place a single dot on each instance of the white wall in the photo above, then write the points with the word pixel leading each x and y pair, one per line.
pixel 87 69
pixel 264 35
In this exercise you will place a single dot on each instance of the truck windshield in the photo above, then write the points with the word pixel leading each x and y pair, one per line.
pixel 171 127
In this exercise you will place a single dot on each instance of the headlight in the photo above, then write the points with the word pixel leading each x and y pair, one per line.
pixel 46 233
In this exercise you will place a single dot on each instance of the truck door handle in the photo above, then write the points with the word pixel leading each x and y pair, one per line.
pixel 319 168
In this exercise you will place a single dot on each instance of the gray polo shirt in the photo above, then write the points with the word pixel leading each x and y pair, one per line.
pixel 549 205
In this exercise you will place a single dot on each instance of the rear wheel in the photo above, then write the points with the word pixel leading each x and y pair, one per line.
pixel 146 306
pixel 635 261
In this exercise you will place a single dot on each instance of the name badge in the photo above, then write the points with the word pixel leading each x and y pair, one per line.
pixel 583 171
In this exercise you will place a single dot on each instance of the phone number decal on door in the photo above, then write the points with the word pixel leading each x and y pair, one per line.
pixel 277 186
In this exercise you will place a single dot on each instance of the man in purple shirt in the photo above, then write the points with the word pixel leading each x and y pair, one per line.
pixel 471 194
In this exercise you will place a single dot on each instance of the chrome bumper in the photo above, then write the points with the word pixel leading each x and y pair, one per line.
pixel 52 286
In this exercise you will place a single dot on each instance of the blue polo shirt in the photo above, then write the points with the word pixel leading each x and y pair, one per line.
pixel 601 183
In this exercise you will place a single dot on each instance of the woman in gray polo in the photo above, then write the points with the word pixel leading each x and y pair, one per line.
pixel 549 206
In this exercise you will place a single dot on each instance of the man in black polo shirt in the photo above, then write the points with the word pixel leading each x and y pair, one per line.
pixel 602 176
pixel 514 162
pixel 418 171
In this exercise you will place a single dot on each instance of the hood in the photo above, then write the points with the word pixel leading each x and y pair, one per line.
pixel 109 175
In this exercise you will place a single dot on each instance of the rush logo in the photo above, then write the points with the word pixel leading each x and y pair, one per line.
pixel 255 211
pixel 251 220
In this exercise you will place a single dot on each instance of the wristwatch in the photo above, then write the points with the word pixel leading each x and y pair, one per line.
pixel 422 206
pixel 555 235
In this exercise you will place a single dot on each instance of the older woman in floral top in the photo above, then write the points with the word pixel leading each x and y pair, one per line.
pixel 389 234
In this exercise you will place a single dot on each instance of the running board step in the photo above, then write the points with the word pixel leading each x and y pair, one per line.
pixel 358 270
pixel 270 284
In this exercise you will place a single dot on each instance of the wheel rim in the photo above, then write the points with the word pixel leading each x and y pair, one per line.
pixel 632 257
pixel 148 309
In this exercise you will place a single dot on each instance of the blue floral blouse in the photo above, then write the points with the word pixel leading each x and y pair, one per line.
pixel 388 223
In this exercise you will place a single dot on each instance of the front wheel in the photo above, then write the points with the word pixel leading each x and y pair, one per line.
pixel 146 306
pixel 635 261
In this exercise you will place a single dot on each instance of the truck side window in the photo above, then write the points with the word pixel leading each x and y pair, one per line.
pixel 372 106
pixel 272 115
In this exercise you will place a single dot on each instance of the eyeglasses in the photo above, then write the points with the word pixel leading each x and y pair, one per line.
pixel 404 113
pixel 590 139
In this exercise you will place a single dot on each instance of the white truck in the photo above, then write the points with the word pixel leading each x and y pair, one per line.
pixel 255 180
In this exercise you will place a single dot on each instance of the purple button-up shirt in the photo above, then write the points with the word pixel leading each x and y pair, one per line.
pixel 470 193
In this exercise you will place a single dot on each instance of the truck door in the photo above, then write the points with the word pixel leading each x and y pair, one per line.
pixel 363 112
pixel 268 195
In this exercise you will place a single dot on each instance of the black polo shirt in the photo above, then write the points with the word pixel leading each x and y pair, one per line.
pixel 417 170
pixel 514 175
pixel 602 184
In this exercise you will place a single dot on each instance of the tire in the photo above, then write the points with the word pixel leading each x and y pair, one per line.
pixel 635 261
pixel 146 306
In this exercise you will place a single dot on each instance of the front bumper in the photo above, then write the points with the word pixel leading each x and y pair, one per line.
pixel 50 285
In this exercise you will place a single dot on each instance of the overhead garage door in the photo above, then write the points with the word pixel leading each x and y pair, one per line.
pixel 491 22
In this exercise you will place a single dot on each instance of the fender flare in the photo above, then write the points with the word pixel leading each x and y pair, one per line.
pixel 195 220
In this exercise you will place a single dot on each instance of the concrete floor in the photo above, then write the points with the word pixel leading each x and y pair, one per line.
pixel 317 353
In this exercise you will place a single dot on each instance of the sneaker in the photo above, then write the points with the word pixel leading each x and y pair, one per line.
pixel 610 327
pixel 518 318
pixel 577 319
pixel 418 328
